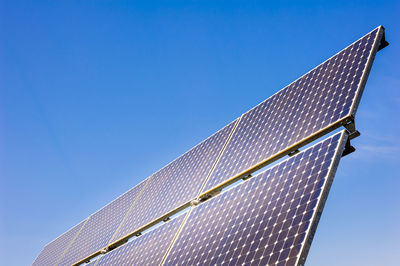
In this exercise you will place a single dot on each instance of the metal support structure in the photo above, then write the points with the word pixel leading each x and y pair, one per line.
pixel 351 129
pixel 348 148
pixel 247 177
pixel 383 42
pixel 195 202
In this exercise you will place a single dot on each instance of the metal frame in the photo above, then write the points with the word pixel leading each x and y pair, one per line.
pixel 73 239
pixel 379 44
pixel 306 244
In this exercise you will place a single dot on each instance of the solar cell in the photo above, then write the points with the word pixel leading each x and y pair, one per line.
pixel 270 219
pixel 176 184
pixel 316 103
pixel 148 249
pixel 53 251
pixel 100 227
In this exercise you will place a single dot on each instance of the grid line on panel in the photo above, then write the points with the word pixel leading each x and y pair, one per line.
pixel 313 105
pixel 133 204
pixel 219 156
pixel 264 220
pixel 176 236
pixel 173 187
pixel 148 249
pixel 70 244
pixel 55 249
pixel 100 227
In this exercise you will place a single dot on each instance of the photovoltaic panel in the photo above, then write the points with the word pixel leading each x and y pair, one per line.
pixel 318 102
pixel 53 251
pixel 148 249
pixel 177 183
pixel 268 220
pixel 101 226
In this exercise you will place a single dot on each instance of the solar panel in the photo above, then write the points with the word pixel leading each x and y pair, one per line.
pixel 100 227
pixel 316 103
pixel 53 251
pixel 148 249
pixel 268 220
pixel 175 184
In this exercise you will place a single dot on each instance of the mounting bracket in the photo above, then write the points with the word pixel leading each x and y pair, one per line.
pixel 348 148
pixel 383 42
pixel 351 129
pixel 247 177
pixel 195 202
pixel 292 153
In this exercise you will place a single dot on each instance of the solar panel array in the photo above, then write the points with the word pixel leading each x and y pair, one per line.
pixel 268 216
pixel 141 204
pixel 146 250
pixel 53 251
pixel 316 101
pixel 177 183
pixel 101 226
pixel 267 219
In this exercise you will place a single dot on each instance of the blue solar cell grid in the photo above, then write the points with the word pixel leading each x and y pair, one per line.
pixel 53 251
pixel 101 226
pixel 148 249
pixel 315 102
pixel 177 183
pixel 267 219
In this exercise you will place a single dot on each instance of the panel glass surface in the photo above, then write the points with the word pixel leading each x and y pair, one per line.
pixel 265 220
pixel 53 251
pixel 177 183
pixel 100 227
pixel 312 103
pixel 148 249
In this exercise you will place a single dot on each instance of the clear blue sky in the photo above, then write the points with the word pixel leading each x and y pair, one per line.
pixel 97 95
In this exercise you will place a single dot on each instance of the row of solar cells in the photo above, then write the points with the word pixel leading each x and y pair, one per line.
pixel 316 103
pixel 268 216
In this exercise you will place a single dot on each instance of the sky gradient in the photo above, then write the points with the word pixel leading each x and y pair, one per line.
pixel 95 96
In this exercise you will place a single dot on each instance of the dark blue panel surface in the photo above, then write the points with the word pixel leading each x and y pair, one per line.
pixel 53 251
pixel 319 100
pixel 177 183
pixel 101 226
pixel 267 219
pixel 148 249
